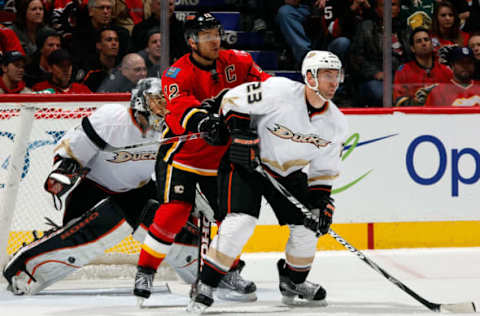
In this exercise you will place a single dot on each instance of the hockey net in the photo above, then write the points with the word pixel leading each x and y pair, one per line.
pixel 30 127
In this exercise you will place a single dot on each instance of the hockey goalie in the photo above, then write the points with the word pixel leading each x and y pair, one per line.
pixel 105 196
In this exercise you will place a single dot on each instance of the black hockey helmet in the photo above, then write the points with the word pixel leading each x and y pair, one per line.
pixel 198 22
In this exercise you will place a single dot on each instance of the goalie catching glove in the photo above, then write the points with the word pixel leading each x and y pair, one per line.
pixel 321 213
pixel 244 150
pixel 66 175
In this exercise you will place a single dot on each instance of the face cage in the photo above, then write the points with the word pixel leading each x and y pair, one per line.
pixel 155 120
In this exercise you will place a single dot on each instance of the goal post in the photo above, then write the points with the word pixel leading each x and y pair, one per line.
pixel 30 127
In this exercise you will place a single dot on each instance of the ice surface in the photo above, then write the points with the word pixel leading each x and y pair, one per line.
pixel 449 275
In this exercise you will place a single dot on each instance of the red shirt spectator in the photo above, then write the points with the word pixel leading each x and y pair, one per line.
pixel 461 90
pixel 13 69
pixel 9 41
pixel 73 88
pixel 415 79
pixel 60 81
pixel 446 27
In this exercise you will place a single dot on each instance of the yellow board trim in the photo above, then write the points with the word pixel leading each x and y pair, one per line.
pixel 427 234
pixel 273 238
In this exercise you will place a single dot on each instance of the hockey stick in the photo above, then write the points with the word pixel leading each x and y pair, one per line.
pixel 467 307
pixel 204 228
pixel 164 141
pixel 114 291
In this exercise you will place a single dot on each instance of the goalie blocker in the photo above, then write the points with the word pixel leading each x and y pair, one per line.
pixel 62 251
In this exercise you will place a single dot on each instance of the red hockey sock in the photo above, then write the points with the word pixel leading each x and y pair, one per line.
pixel 146 260
pixel 168 221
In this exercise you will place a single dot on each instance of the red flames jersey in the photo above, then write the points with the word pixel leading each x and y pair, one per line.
pixel 185 84
pixel 411 76
pixel 454 94
pixel 74 88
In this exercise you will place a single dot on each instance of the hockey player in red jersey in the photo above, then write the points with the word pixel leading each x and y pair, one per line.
pixel 297 133
pixel 197 76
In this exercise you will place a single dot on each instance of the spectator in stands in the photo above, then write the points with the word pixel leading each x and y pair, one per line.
pixel 9 41
pixel 125 79
pixel 64 18
pixel 60 63
pixel 95 71
pixel 29 21
pixel 324 24
pixel 128 13
pixel 472 21
pixel 462 90
pixel 474 44
pixel 305 26
pixel 152 53
pixel 417 13
pixel 99 16
pixel 13 68
pixel 38 69
pixel 346 17
pixel 367 57
pixel 446 27
pixel 178 46
pixel 291 18
pixel 415 79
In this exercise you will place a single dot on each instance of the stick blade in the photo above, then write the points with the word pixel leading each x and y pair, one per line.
pixel 467 307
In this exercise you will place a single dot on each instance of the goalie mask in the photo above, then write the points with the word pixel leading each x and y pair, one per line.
pixel 148 104
pixel 316 60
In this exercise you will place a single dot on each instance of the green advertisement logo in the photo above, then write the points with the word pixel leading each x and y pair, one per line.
pixel 350 144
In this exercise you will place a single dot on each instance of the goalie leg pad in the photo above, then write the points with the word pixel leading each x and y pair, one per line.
pixel 60 253
pixel 184 259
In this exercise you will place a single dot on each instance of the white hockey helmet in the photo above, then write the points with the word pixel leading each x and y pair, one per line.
pixel 318 59
pixel 148 100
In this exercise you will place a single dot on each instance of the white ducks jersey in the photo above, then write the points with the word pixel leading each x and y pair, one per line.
pixel 118 171
pixel 291 137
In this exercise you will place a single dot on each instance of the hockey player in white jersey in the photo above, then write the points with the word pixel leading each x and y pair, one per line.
pixel 289 128
pixel 108 195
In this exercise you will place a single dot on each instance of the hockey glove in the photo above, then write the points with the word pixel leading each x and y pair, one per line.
pixel 244 150
pixel 422 94
pixel 217 131
pixel 444 54
pixel 212 105
pixel 66 175
pixel 321 216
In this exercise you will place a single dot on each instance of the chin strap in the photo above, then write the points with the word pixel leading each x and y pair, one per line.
pixel 315 89
pixel 321 96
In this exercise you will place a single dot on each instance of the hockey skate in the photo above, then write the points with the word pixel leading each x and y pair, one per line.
pixel 233 287
pixel 143 284
pixel 308 291
pixel 202 299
